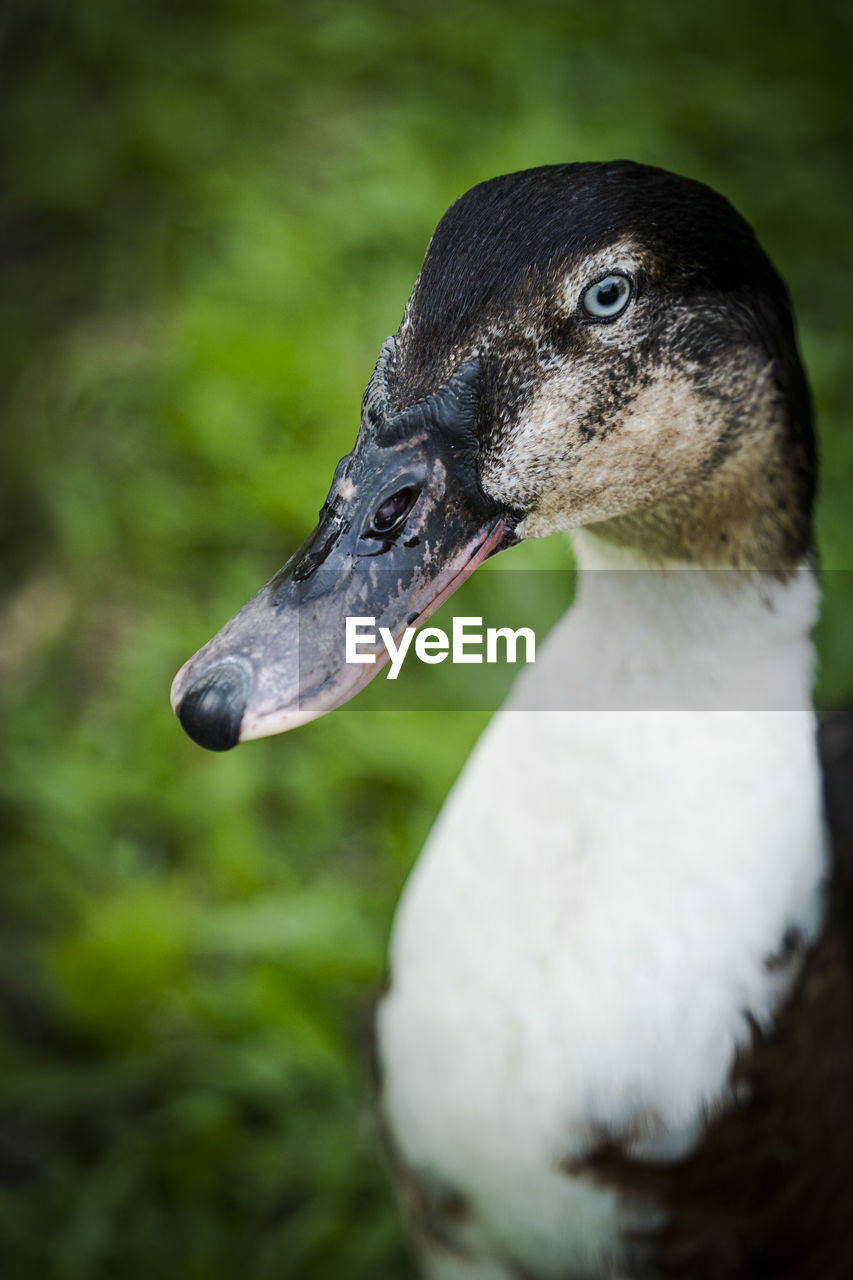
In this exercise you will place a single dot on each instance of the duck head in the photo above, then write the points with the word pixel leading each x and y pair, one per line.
pixel 598 345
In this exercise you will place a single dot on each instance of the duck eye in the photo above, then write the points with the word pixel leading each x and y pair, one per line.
pixel 393 509
pixel 607 298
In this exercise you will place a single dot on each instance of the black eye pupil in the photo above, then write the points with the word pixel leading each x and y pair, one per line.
pixel 392 509
pixel 608 294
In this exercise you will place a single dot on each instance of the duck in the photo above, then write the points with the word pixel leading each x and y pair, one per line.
pixel 617 1038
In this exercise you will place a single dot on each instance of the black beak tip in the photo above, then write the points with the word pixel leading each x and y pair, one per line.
pixel 211 711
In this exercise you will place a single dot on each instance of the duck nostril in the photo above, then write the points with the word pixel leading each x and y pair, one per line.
pixel 393 509
pixel 211 710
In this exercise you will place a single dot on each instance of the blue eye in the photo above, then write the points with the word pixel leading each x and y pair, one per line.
pixel 607 298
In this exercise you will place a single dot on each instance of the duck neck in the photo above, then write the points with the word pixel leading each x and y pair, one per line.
pixel 660 636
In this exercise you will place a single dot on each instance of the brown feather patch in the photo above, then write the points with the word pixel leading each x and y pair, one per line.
pixel 434 1216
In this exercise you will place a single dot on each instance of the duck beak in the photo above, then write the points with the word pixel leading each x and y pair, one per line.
pixel 405 523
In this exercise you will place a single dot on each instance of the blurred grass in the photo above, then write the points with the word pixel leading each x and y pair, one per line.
pixel 211 215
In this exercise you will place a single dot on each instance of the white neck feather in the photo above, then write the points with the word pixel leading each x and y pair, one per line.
pixel 648 637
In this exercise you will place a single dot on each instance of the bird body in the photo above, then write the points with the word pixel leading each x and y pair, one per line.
pixel 588 939
pixel 618 1036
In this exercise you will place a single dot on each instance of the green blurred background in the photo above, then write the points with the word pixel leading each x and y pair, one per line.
pixel 211 214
